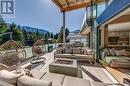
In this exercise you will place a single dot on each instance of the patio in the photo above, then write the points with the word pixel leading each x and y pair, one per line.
pixel 89 71
pixel 67 66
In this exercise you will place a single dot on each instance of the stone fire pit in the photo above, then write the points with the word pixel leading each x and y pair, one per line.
pixel 60 61
pixel 65 66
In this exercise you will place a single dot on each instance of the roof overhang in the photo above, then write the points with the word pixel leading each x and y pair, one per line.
pixel 86 31
pixel 115 10
pixel 68 5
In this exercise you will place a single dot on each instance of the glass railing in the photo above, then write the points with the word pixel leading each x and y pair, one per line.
pixel 47 48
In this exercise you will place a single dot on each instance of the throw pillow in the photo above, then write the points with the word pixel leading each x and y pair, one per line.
pixel 112 52
pixel 68 50
pixel 106 52
pixel 76 50
pixel 120 52
pixel 89 51
pixel 127 53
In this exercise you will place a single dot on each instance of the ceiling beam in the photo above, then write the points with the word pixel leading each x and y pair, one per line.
pixel 99 1
pixel 58 4
pixel 77 6
pixel 67 2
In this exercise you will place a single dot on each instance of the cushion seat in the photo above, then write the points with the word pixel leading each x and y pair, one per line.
pixel 74 56
pixel 2 83
pixel 81 56
pixel 37 73
pixel 64 55
pixel 75 53
pixel 72 81
pixel 28 81
pixel 57 79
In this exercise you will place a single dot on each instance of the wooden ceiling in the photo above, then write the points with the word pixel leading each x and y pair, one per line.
pixel 68 5
pixel 122 19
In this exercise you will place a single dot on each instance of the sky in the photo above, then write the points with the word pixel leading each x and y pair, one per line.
pixel 44 14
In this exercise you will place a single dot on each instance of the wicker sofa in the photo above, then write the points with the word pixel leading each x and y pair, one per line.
pixel 40 78
pixel 75 53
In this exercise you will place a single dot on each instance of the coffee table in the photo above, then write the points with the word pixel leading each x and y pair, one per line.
pixel 65 66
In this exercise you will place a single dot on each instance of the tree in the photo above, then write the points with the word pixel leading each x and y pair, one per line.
pixel 24 34
pixel 33 36
pixel 12 26
pixel 66 32
pixel 18 35
pixel 3 29
pixel 56 36
pixel 60 36
pixel 51 35
pixel 38 35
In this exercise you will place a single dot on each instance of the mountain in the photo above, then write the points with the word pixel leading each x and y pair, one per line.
pixel 31 29
pixel 76 31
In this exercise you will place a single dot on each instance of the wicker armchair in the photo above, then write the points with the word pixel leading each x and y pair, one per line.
pixel 37 48
pixel 12 53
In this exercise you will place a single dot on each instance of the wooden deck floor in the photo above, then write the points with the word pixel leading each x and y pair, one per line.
pixel 97 73
pixel 119 74
pixel 90 72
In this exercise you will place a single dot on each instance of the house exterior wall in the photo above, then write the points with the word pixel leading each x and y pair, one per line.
pixel 110 9
pixel 114 8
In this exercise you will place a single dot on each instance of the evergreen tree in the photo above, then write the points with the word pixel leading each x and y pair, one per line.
pixel 3 29
pixel 66 32
pixel 17 33
pixel 56 36
pixel 51 35
pixel 3 25
pixel 60 36
pixel 24 34
pixel 38 35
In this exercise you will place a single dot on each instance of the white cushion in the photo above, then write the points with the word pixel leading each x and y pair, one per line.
pixel 76 50
pixel 57 79
pixel 89 51
pixel 120 52
pixel 28 81
pixel 72 81
pixel 37 73
pixel 68 50
pixel 127 53
pixel 9 76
